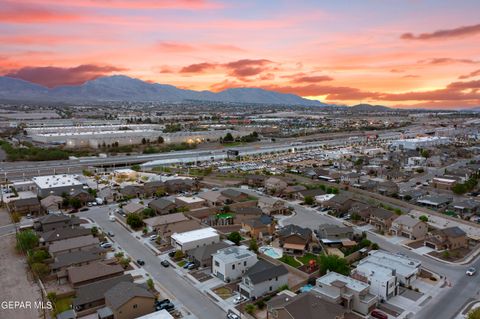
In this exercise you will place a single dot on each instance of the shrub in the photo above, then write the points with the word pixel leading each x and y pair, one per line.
pixel 40 270
pixel 423 218
pixel 26 240
pixel 235 237
pixel 250 308
pixel 150 284
pixel 134 221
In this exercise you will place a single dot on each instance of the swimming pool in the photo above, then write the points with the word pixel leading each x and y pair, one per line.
pixel 271 251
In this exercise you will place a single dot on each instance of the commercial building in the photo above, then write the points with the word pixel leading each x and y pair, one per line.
pixel 231 263
pixel 57 185
pixel 194 239
pixel 419 142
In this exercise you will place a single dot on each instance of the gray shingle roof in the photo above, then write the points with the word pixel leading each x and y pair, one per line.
pixel 294 229
pixel 263 270
pixel 64 233
pixel 96 291
pixel 124 291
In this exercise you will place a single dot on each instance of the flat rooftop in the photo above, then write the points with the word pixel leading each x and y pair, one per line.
pixel 333 278
pixel 234 253
pixel 190 200
pixel 194 235
pixel 52 181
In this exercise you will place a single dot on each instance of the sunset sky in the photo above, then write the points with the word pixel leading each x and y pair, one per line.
pixel 397 53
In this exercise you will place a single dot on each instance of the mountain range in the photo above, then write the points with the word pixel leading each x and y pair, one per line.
pixel 124 88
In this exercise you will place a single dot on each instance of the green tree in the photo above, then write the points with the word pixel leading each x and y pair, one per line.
pixel 235 237
pixel 309 200
pixel 253 245
pixel 474 314
pixel 250 308
pixel 425 153
pixel 148 212
pixel 37 256
pixel 124 262
pixel 40 270
pixel 423 218
pixel 228 138
pixel 26 240
pixel 94 231
pixel 136 167
pixel 150 284
pixel 134 221
pixel 178 255
pixel 334 263
pixel 375 246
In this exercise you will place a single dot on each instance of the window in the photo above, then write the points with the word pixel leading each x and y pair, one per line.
pixel 270 288
pixel 135 306
pixel 233 266
pixel 245 263
pixel 276 278
pixel 217 263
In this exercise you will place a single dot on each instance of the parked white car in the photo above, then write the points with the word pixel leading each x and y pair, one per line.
pixel 471 271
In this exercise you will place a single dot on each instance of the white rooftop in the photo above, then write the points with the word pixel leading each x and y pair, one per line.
pixel 351 283
pixel 194 235
pixel 233 254
pixel 162 314
pixel 52 181
pixel 190 200
pixel 403 265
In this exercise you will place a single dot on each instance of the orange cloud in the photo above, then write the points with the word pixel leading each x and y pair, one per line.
pixel 470 75
pixel 444 34
pixel 22 13
pixel 198 67
pixel 51 76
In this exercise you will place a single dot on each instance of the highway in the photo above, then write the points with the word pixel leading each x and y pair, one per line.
pixel 26 170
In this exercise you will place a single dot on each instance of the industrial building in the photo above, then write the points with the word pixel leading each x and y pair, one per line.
pixel 419 142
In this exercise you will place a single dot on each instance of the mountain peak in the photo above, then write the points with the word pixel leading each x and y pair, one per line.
pixel 124 88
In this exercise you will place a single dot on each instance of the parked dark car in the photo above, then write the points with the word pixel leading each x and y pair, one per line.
pixel 171 254
pixel 165 263
pixel 140 262
pixel 378 314
pixel 164 304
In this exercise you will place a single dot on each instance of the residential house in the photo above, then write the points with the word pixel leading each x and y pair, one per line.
pixel 291 191
pixel 132 191
pixel 154 188
pixel 213 198
pixel 128 300
pixel 72 244
pixel 275 185
pixel 92 296
pixel 51 203
pixel 309 193
pixel 447 238
pixel 387 188
pixel 77 258
pixel 465 207
pixel 47 238
pixel 443 183
pixel 234 195
pixel 307 305
pixel 342 290
pixel 159 223
pixel 340 203
pixel 259 227
pixel 95 271
pixel 133 208
pixel 405 269
pixel 263 278
pixel 25 206
pixel 434 201
pixel 181 185
pixel 254 180
pixel 190 203
pixel 410 227
pixel 352 178
pixel 202 256
pixel 231 263
pixel 162 206
pixel 194 239
pixel 382 279
pixel 335 232
pixel 54 221
pixel 382 219
pixel 295 239
pixel 272 206
pixel 82 196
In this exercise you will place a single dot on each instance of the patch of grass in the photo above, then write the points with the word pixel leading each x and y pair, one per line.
pixel 63 305
pixel 223 292
pixel 181 263
pixel 305 259
pixel 289 260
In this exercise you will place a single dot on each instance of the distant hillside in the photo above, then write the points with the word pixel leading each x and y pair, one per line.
pixel 123 88
pixel 370 108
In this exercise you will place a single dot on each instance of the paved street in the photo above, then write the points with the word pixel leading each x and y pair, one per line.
pixel 178 286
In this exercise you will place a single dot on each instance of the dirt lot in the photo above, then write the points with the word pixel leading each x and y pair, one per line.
pixel 4 217
pixel 14 283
